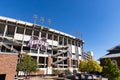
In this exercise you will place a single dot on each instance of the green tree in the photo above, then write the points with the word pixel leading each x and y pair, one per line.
pixel 55 71
pixel 67 71
pixel 111 70
pixel 89 66
pixel 82 66
pixel 93 66
pixel 27 65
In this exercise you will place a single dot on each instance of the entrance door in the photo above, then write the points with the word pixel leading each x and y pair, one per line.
pixel 2 76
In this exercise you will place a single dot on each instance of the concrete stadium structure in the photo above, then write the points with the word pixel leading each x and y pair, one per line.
pixel 49 47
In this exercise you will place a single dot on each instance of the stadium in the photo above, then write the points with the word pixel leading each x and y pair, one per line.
pixel 50 48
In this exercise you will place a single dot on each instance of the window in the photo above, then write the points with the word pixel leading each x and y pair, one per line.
pixel 2 76
pixel 49 51
pixel 50 36
pixel 2 27
pixel 60 40
pixel 43 34
pixel 69 41
pixel 10 31
pixel 28 32
pixel 34 51
pixel 36 33
pixel 79 45
pixel 65 41
pixel 73 42
pixel 55 37
pixel 20 30
pixel 114 61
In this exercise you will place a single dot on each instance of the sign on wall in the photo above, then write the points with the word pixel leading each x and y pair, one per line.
pixel 36 43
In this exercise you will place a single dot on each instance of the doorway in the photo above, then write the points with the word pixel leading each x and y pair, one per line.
pixel 2 76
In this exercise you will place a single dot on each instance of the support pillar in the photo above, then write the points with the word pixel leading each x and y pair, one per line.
pixel 70 65
pixel 49 67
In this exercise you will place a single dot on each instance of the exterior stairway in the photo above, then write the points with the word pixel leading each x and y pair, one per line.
pixel 64 51
pixel 60 47
pixel 60 50
pixel 62 59
pixel 8 47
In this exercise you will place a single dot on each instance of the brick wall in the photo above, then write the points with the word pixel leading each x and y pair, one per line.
pixel 49 61
pixel 102 61
pixel 8 65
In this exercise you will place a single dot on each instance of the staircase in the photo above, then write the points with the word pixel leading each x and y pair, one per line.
pixel 60 47
pixel 8 47
pixel 62 59
pixel 14 41
pixel 60 50
pixel 64 51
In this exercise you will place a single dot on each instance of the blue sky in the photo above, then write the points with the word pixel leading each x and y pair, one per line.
pixel 97 20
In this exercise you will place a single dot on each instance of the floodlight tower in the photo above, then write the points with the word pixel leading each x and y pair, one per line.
pixel 79 34
pixel 42 20
pixel 35 18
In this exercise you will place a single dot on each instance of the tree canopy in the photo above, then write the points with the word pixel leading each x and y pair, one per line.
pixel 93 66
pixel 27 65
pixel 83 66
pixel 89 66
pixel 111 70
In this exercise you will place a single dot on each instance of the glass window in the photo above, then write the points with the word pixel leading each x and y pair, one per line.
pixel 28 32
pixel 10 31
pixel 50 36
pixel 73 42
pixel 43 34
pixel 20 30
pixel 65 41
pixel 60 40
pixel 55 37
pixel 69 41
pixel 36 33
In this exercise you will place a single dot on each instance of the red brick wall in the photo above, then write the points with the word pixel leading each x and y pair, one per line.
pixel 102 61
pixel 69 62
pixel 49 61
pixel 41 72
pixel 8 65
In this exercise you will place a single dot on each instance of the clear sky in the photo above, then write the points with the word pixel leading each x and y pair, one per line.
pixel 97 20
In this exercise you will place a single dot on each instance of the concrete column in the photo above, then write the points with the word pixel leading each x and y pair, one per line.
pixel 58 39
pixel 52 42
pixel 38 59
pixel 63 41
pixel 5 30
pixel 33 29
pixel 47 35
pixel 44 62
pixel 46 38
pixel 49 61
pixel 39 38
pixel 67 40
pixel 15 29
pixel 69 62
pixel 23 38
pixel 78 63
pixel 40 34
